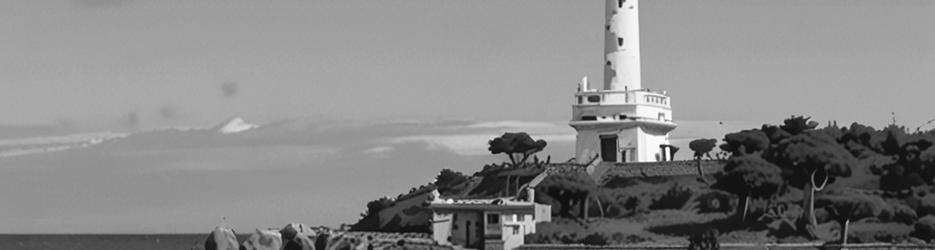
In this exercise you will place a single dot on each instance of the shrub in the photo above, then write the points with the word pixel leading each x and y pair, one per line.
pixel 622 239
pixel 704 240
pixel 926 206
pixel 595 239
pixel 715 201
pixel 925 228
pixel 904 214
pixel 878 232
pixel 674 198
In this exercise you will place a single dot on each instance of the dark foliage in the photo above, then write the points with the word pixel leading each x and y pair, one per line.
pixel 745 142
pixel 448 179
pixel 704 240
pixel 749 177
pixel 675 198
pixel 594 239
pixel 702 147
pixel 925 228
pixel 370 219
pixel 517 146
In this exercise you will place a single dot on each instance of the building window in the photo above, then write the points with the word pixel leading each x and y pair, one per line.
pixel 580 100
pixel 620 3
pixel 594 98
pixel 509 218
pixel 515 230
pixel 622 117
pixel 620 41
pixel 493 219
pixel 521 217
pixel 589 118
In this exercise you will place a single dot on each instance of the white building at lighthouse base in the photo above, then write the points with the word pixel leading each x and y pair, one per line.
pixel 622 126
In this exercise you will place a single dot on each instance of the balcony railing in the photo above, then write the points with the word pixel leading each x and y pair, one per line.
pixel 615 97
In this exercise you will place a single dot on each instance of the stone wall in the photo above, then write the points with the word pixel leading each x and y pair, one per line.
pixel 606 171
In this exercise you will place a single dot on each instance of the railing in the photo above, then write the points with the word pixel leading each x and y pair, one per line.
pixel 612 97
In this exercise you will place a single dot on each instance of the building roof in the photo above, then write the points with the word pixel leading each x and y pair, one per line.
pixel 502 203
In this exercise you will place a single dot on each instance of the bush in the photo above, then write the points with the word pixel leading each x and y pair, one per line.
pixel 715 201
pixel 674 198
pixel 926 206
pixel 621 239
pixel 904 214
pixel 925 228
pixel 595 239
pixel 878 232
pixel 704 240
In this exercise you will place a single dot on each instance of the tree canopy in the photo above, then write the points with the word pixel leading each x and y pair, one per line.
pixel 702 147
pixel 749 177
pixel 745 142
pixel 517 146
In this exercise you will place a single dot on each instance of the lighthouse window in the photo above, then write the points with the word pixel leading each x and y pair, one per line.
pixel 620 3
pixel 594 98
pixel 620 41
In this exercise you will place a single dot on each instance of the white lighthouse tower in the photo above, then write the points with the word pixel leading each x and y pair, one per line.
pixel 622 122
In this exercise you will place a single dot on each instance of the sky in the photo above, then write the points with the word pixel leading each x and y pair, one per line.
pixel 386 93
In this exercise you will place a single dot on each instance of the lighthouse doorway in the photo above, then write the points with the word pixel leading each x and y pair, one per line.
pixel 609 148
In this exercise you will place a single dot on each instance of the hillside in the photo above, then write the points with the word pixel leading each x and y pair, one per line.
pixel 858 183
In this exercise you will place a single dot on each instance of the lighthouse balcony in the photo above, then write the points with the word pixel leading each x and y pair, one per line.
pixel 661 126
pixel 622 116
pixel 617 97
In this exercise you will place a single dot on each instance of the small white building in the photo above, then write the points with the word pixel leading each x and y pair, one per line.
pixel 623 122
pixel 495 223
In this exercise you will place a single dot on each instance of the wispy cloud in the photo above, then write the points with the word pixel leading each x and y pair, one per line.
pixel 176 175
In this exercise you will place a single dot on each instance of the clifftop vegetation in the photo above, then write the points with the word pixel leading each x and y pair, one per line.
pixel 791 182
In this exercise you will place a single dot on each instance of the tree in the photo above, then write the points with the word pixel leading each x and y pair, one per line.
pixel 798 124
pixel 517 146
pixel 370 219
pixel 749 177
pixel 745 142
pixel 844 208
pixel 447 179
pixel 810 161
pixel 702 147
pixel 569 190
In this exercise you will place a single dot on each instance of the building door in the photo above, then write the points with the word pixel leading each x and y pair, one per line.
pixel 467 233
pixel 609 148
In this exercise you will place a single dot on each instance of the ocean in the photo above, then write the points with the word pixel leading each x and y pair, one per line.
pixel 103 241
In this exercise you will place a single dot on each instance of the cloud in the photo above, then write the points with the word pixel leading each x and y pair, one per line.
pixel 229 89
pixel 511 125
pixel 473 144
pixel 378 151
pixel 175 176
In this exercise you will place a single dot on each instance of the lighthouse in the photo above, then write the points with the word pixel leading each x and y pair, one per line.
pixel 622 121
